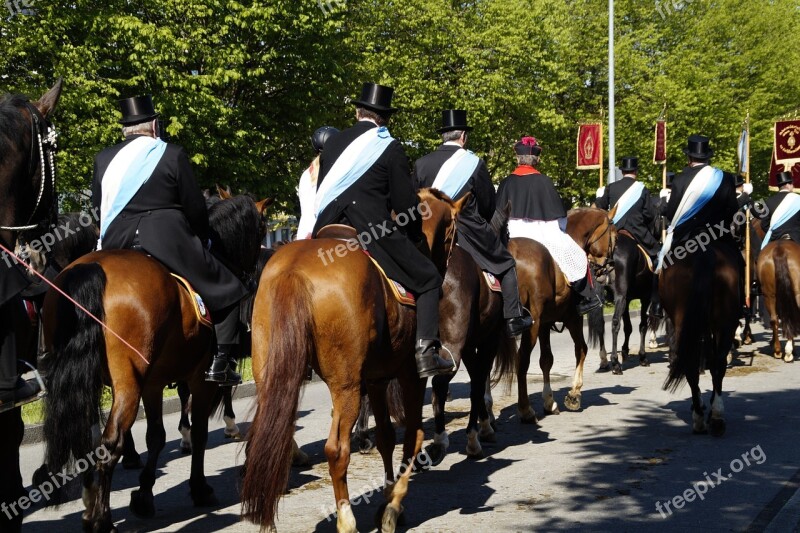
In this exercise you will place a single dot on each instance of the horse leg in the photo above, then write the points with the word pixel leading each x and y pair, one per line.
pixel 184 425
pixel 346 403
pixel 526 413
pixel 698 410
pixel 546 364
pixel 718 366
pixel 479 429
pixel 628 330
pixel 365 444
pixel 488 401
pixel 130 457
pixel 643 333
pixel 231 429
pixel 620 304
pixel 773 322
pixel 439 387
pixel 142 499
pixel 11 488
pixel 203 393
pixel 572 401
pixel 605 366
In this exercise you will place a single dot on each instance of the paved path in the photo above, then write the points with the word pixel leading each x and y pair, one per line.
pixel 604 468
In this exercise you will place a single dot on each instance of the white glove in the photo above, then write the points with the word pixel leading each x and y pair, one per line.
pixel 748 188
pixel 600 192
pixel 664 193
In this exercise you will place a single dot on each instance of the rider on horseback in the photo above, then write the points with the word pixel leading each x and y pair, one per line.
pixel 307 189
pixel 782 215
pixel 538 213
pixel 635 214
pixel 149 200
pixel 364 175
pixel 456 172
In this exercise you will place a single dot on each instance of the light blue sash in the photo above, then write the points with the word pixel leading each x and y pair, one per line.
pixel 353 163
pixel 456 172
pixel 627 200
pixel 788 208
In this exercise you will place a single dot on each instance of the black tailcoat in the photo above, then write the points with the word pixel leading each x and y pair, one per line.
pixel 169 213
pixel 791 227
pixel 640 218
pixel 475 234
pixel 367 204
pixel 721 208
pixel 532 195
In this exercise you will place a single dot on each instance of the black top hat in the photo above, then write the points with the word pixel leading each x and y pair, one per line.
pixel 670 179
pixel 376 97
pixel 629 164
pixel 784 178
pixel 698 147
pixel 454 119
pixel 528 146
pixel 136 110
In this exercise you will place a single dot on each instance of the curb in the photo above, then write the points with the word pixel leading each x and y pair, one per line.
pixel 34 434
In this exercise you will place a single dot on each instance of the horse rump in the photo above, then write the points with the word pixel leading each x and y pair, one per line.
pixel 74 381
pixel 786 304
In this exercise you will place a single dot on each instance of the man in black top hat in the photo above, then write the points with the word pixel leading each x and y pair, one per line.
pixel 636 214
pixel 149 200
pixel 307 189
pixel 362 191
pixel 456 172
pixel 717 205
pixel 786 223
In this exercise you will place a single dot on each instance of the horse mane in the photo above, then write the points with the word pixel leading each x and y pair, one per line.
pixel 82 241
pixel 434 194
pixel 12 125
pixel 236 231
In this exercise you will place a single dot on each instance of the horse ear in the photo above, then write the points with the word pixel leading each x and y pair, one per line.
pixel 461 203
pixel 612 213
pixel 48 102
pixel 224 194
pixel 264 204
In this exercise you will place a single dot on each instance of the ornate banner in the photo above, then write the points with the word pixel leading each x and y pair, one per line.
pixel 742 152
pixel 776 169
pixel 660 150
pixel 590 146
pixel 787 143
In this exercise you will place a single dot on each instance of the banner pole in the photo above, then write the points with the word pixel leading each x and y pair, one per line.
pixel 747 272
pixel 601 153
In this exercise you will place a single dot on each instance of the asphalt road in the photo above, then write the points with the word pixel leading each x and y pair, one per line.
pixel 604 468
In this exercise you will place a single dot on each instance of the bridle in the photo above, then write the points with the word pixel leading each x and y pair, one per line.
pixel 43 137
pixel 608 263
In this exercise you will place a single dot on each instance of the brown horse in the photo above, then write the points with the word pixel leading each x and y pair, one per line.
pixel 779 274
pixel 342 319
pixel 545 292
pixel 703 299
pixel 27 200
pixel 156 340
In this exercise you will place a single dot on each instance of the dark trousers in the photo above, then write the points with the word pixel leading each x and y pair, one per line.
pixel 8 345
pixel 428 314
pixel 512 307
pixel 226 325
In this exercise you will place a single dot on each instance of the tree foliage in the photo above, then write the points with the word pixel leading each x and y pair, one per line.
pixel 243 84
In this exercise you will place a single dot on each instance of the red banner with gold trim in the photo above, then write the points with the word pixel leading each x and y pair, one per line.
pixel 590 146
pixel 660 150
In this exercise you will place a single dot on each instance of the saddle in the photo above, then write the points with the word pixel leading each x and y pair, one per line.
pixel 492 282
pixel 647 259
pixel 200 309
pixel 348 233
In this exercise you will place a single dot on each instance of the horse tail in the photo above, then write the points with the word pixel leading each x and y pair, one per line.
pixel 597 326
pixel 786 304
pixel 506 361
pixel 289 349
pixel 394 397
pixel 693 342
pixel 75 382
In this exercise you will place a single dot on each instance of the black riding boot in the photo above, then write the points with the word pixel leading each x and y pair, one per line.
pixel 656 310
pixel 223 367
pixel 588 292
pixel 429 362
pixel 517 318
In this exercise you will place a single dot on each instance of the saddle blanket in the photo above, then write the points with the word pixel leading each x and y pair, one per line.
pixel 401 294
pixel 492 282
pixel 200 309
pixel 570 257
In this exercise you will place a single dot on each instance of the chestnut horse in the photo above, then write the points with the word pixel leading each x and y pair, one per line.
pixel 342 319
pixel 156 340
pixel 545 292
pixel 27 200
pixel 779 274
pixel 703 298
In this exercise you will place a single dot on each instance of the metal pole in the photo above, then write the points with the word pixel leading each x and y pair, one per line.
pixel 612 156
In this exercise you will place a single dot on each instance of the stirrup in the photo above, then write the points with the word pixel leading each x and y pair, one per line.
pixel 41 394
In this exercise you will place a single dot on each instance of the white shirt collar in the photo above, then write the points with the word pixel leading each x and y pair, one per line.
pixel 368 120
pixel 452 143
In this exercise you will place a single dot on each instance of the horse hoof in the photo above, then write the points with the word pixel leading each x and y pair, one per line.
pixel 528 417
pixel 134 462
pixel 625 354
pixel 552 411
pixel 616 369
pixel 604 368
pixel 387 519
pixel 365 446
pixel 103 526
pixel 488 437
pixel 475 454
pixel 778 355
pixel 204 496
pixel 235 435
pixel 644 362
pixel 142 504
pixel 186 449
pixel 436 453
pixel 573 403
pixel 716 427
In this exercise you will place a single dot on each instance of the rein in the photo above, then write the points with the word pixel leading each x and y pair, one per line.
pixel 592 243
pixel 47 144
